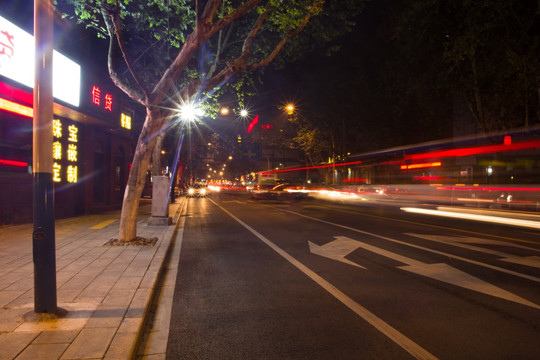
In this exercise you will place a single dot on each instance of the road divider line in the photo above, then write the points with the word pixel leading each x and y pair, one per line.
pixel 397 337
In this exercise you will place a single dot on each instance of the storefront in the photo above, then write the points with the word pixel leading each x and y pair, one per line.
pixel 91 130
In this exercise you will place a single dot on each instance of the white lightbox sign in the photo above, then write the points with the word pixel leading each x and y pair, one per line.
pixel 17 63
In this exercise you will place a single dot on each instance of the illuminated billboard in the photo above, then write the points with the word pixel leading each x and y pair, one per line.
pixel 17 63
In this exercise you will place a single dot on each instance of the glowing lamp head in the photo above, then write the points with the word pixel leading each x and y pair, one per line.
pixel 243 113
pixel 190 112
pixel 290 109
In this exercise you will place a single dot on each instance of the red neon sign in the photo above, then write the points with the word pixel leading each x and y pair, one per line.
pixel 13 163
pixel 96 98
pixel 108 102
pixel 253 123
pixel 96 95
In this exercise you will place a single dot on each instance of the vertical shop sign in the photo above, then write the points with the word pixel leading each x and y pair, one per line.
pixel 65 152
pixel 125 121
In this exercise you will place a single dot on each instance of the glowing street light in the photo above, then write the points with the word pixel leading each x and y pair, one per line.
pixel 224 111
pixel 243 113
pixel 289 108
pixel 190 112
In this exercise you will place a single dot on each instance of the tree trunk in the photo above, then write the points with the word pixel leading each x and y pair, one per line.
pixel 137 176
pixel 157 160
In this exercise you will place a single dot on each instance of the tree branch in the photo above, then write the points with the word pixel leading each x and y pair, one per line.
pixel 236 14
pixel 115 18
pixel 193 42
pixel 291 34
pixel 241 63
pixel 210 10
pixel 255 29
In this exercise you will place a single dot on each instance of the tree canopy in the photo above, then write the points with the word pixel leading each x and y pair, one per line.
pixel 166 53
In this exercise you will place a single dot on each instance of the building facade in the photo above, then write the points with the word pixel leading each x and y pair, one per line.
pixel 91 130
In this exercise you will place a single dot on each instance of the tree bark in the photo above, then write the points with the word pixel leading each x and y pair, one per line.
pixel 157 159
pixel 137 175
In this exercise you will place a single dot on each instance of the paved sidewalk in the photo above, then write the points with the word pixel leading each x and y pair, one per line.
pixel 106 290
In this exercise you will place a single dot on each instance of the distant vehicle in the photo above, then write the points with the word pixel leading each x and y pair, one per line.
pixel 280 191
pixel 197 190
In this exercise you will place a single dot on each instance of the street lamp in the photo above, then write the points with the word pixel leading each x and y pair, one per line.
pixel 243 113
pixel 190 112
pixel 289 108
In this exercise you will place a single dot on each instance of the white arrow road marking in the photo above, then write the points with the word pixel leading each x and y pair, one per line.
pixel 405 243
pixel 336 249
pixel 397 337
pixel 532 261
pixel 446 273
pixel 464 242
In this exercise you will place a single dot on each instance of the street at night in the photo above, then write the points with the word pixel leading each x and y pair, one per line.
pixel 249 179
pixel 313 279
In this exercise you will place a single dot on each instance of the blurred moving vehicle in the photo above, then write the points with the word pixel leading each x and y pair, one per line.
pixel 197 190
pixel 280 191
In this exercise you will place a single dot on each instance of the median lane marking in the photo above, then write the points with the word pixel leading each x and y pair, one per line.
pixel 397 337
pixel 101 225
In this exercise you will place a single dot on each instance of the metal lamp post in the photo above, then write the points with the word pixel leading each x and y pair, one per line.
pixel 43 237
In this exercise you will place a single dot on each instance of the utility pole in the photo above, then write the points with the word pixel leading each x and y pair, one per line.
pixel 43 237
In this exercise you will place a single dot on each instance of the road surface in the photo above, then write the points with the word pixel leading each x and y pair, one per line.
pixel 322 280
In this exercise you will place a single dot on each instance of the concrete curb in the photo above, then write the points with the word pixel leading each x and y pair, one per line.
pixel 162 257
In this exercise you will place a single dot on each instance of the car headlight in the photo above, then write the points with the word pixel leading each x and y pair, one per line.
pixel 203 191
pixel 191 191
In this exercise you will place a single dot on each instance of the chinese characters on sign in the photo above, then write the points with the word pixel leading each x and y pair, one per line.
pixel 68 169
pixel 125 121
pixel 6 44
pixel 96 99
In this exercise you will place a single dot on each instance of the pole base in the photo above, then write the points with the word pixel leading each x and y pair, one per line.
pixel 33 316
pixel 160 221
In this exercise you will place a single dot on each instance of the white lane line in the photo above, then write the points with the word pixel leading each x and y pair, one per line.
pixel 404 342
pixel 496 268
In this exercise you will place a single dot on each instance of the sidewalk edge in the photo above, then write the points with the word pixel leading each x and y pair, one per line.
pixel 167 241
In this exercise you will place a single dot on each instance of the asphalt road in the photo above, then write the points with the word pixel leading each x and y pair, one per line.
pixel 319 280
